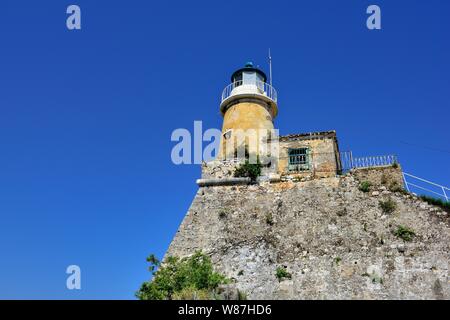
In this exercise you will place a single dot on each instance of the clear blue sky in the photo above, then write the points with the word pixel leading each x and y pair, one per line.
pixel 86 116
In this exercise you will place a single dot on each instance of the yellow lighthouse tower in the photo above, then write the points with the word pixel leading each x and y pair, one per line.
pixel 248 107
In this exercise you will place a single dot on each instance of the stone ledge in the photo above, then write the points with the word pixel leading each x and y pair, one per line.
pixel 222 182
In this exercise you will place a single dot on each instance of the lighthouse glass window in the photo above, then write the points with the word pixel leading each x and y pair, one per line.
pixel 298 159
pixel 237 80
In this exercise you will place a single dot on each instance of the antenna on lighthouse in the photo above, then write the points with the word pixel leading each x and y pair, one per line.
pixel 270 68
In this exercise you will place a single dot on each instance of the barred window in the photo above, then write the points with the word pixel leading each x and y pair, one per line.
pixel 298 159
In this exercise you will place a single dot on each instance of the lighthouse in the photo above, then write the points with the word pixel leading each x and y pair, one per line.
pixel 249 107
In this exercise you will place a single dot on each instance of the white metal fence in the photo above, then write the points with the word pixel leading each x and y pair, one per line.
pixel 263 88
pixel 375 161
pixel 349 162
pixel 413 183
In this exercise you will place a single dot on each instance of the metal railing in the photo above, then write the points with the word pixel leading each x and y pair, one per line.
pixel 374 161
pixel 425 185
pixel 349 162
pixel 262 88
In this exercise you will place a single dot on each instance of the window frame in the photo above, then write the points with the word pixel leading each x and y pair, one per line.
pixel 299 165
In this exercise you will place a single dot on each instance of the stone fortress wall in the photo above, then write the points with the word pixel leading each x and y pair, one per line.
pixel 334 239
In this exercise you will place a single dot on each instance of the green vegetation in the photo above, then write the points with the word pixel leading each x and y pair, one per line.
pixel 242 295
pixel 187 278
pixel 269 219
pixel 282 273
pixel 404 233
pixel 395 165
pixel 247 169
pixel 222 214
pixel 191 293
pixel 388 206
pixel 376 278
pixel 437 202
pixel 373 277
pixel 395 187
pixel 365 186
pixel 337 260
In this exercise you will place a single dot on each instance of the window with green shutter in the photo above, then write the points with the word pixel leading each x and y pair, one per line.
pixel 299 159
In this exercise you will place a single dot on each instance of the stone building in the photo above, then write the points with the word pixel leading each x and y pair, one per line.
pixel 313 154
pixel 337 233
pixel 249 107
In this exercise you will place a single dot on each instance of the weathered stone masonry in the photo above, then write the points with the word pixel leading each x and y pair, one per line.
pixel 333 238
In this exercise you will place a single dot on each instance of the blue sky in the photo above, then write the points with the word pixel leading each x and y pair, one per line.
pixel 86 116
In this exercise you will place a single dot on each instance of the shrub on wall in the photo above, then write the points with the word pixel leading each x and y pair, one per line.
pixel 282 273
pixel 404 233
pixel 188 278
pixel 247 169
pixel 388 206
pixel 365 186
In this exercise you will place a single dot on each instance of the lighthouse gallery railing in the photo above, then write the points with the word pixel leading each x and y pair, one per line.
pixel 263 88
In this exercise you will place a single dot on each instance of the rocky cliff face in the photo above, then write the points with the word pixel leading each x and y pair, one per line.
pixel 335 241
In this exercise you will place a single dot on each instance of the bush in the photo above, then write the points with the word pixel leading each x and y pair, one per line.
pixel 396 187
pixel 365 186
pixel 375 278
pixel 283 274
pixel 404 233
pixel 242 295
pixel 192 293
pixel 269 219
pixel 222 214
pixel 437 202
pixel 388 206
pixel 188 278
pixel 247 169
